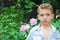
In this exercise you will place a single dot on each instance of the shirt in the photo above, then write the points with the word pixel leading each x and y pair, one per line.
pixel 36 34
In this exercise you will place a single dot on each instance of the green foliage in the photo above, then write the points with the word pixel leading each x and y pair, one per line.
pixel 9 26
pixel 54 3
pixel 56 23
pixel 10 18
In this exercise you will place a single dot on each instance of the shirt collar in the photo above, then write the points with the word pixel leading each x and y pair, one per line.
pixel 53 29
pixel 39 29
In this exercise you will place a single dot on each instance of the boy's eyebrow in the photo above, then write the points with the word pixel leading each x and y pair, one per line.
pixel 43 14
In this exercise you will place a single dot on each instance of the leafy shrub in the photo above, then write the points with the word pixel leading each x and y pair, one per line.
pixel 10 18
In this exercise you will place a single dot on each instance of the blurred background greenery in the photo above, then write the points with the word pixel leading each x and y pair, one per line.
pixel 12 12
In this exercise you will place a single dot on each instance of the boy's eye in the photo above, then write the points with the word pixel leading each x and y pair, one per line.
pixel 48 14
pixel 41 15
pixel 44 14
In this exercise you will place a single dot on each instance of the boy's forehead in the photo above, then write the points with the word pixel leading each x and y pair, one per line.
pixel 44 11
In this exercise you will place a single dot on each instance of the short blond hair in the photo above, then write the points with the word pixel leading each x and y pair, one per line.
pixel 45 6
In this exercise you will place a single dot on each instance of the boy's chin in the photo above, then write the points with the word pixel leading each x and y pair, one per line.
pixel 46 23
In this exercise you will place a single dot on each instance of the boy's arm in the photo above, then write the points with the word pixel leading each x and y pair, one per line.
pixel 31 33
pixel 29 37
pixel 58 36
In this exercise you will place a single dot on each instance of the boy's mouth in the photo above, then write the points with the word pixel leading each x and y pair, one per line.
pixel 45 21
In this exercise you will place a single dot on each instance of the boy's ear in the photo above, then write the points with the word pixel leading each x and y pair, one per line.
pixel 52 16
pixel 38 17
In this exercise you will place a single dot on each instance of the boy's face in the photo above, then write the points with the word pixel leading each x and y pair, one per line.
pixel 45 16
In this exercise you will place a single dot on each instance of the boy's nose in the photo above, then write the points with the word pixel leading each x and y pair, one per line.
pixel 45 16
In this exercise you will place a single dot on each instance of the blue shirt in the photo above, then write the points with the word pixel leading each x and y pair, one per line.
pixel 36 34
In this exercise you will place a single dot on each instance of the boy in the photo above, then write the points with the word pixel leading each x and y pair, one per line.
pixel 45 30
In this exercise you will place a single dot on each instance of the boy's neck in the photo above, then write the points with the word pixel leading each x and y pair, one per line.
pixel 45 25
